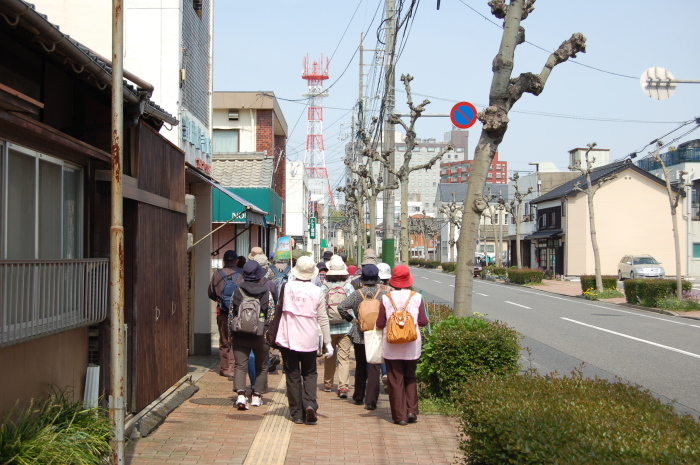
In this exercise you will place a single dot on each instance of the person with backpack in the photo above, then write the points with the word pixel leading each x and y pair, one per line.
pixel 221 288
pixel 303 310
pixel 402 311
pixel 362 308
pixel 370 258
pixel 335 290
pixel 384 277
pixel 249 308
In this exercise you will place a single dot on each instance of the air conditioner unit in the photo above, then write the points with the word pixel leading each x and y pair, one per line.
pixel 233 115
pixel 191 210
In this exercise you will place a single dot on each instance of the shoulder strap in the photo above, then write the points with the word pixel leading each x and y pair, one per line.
pixel 376 293
pixel 393 304
pixel 410 296
pixel 363 295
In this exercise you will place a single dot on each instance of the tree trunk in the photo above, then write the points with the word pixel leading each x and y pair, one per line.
pixel 594 242
pixel 518 258
pixel 405 238
pixel 452 241
pixel 676 242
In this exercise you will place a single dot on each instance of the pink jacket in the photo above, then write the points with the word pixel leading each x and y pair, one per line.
pixel 303 311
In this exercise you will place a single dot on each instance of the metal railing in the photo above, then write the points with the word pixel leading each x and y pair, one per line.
pixel 671 158
pixel 42 297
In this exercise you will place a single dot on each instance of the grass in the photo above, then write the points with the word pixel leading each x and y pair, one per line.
pixel 686 304
pixel 435 406
pixel 593 294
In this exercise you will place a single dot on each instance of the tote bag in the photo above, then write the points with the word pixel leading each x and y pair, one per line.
pixel 373 345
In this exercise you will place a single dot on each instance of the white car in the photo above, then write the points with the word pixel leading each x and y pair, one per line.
pixel 639 266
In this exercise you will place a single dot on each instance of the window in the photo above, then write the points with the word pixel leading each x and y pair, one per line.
pixel 226 141
pixel 489 176
pixel 47 223
pixel 459 150
pixel 197 5
pixel 448 156
pixel 696 250
pixel 431 149
pixel 498 175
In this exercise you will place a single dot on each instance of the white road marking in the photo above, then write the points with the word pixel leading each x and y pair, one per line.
pixel 634 338
pixel 452 285
pixel 479 293
pixel 576 300
pixel 439 282
pixel 517 305
pixel 425 277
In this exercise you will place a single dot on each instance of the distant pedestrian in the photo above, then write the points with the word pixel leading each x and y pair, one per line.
pixel 366 375
pixel 321 277
pixel 384 276
pixel 229 272
pixel 244 341
pixel 370 258
pixel 335 291
pixel 303 311
pixel 255 251
pixel 402 359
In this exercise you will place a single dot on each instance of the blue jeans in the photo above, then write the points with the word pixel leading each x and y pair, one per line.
pixel 383 368
pixel 251 369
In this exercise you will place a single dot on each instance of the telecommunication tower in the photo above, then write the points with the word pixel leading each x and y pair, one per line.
pixel 314 158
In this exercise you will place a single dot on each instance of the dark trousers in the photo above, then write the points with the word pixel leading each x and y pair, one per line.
pixel 403 390
pixel 241 351
pixel 302 378
pixel 367 378
pixel 226 359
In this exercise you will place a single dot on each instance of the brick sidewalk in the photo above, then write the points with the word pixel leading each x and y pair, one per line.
pixel 207 429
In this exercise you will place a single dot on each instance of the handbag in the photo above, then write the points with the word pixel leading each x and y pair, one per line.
pixel 274 323
pixel 373 345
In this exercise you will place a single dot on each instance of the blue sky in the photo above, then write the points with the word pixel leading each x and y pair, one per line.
pixel 259 46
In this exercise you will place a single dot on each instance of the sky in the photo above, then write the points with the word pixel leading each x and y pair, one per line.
pixel 260 45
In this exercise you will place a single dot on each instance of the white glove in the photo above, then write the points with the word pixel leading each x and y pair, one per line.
pixel 329 350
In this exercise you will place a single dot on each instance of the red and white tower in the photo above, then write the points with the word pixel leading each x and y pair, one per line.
pixel 314 158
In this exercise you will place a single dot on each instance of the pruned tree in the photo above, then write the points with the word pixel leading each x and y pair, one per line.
pixel 590 189
pixel 403 172
pixel 515 208
pixel 505 92
pixel 424 227
pixel 494 211
pixel 355 197
pixel 453 211
pixel 673 199
pixel 372 183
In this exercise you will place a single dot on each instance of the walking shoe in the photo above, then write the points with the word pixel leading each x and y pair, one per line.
pixel 327 387
pixel 242 402
pixel 385 382
pixel 257 401
pixel 402 423
pixel 273 362
pixel 311 415
pixel 372 407
pixel 343 393
pixel 412 418
pixel 299 421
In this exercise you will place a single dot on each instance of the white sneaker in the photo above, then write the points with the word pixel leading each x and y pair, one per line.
pixel 242 402
pixel 257 401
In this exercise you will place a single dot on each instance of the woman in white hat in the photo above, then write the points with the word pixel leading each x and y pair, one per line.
pixel 303 311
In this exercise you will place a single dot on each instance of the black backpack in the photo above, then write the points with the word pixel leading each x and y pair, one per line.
pixel 229 288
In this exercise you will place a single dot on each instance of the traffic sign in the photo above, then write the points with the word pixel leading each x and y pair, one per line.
pixel 463 115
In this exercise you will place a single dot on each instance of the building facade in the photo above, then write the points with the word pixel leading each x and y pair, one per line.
pixel 458 171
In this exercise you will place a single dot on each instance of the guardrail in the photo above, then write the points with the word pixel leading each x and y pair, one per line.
pixel 42 297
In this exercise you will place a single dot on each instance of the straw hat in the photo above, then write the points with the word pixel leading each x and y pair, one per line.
pixel 254 251
pixel 336 266
pixel 305 268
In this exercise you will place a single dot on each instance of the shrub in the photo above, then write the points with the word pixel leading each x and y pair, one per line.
pixel 463 347
pixel 56 430
pixel 689 302
pixel 525 275
pixel 593 294
pixel 545 420
pixel 450 267
pixel 498 271
pixel 648 292
pixel 588 281
pixel 421 262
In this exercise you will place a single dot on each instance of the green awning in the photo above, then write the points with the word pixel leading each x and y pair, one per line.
pixel 266 199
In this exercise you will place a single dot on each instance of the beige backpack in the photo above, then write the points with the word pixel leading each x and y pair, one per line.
pixel 368 311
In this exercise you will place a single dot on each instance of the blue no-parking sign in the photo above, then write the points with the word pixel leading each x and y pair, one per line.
pixel 463 115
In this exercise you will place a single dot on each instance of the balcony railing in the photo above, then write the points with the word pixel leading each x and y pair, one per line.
pixel 672 158
pixel 42 297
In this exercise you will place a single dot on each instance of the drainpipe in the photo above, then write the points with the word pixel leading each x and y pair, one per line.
pixel 116 243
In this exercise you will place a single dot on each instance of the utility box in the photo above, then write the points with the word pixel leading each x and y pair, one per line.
pixel 190 204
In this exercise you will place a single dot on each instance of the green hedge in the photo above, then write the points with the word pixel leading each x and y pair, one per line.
pixel 421 262
pixel 648 292
pixel 588 282
pixel 498 271
pixel 463 347
pixel 525 275
pixel 571 421
pixel 449 266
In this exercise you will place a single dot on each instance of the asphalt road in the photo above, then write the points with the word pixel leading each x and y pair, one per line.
pixel 658 352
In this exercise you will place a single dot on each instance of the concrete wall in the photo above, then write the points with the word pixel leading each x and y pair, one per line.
pixel 632 216
pixel 31 369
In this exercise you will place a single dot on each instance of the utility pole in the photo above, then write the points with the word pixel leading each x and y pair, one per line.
pixel 388 254
pixel 116 244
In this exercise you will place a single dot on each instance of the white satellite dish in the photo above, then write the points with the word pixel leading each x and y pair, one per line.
pixel 658 83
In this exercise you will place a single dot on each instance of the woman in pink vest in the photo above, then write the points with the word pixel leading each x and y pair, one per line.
pixel 303 311
pixel 402 359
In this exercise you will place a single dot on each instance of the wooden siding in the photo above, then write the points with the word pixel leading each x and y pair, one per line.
pixel 160 166
pixel 158 332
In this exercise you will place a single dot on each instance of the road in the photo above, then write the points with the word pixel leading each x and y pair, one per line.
pixel 658 352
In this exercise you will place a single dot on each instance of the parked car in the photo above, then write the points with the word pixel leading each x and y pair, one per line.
pixel 639 266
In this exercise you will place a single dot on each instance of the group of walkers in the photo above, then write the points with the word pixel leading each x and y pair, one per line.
pixel 313 308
